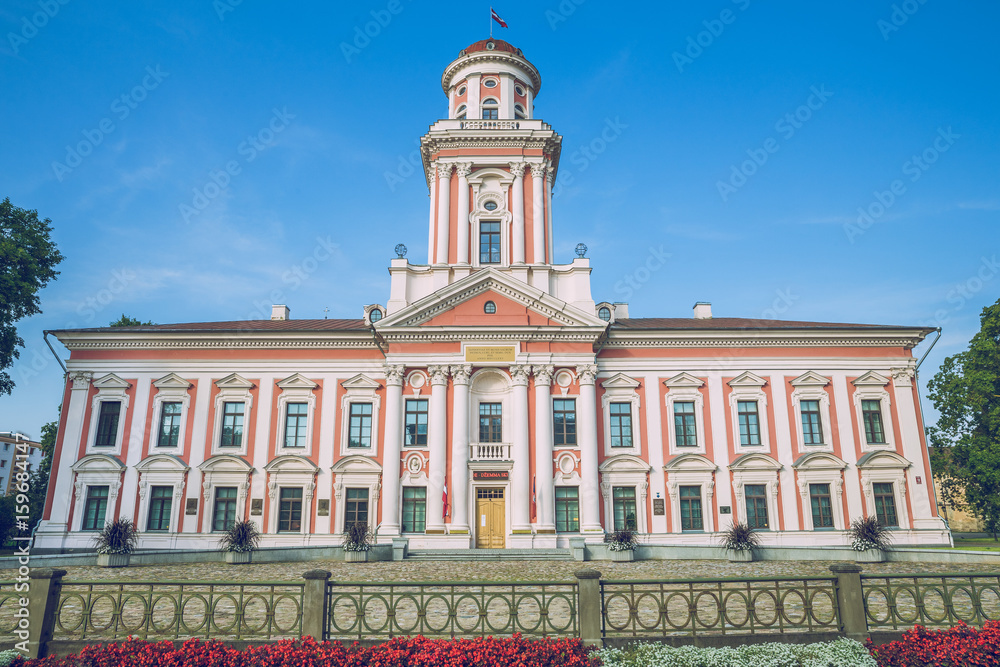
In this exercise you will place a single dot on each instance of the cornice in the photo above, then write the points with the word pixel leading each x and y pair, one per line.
pixel 740 339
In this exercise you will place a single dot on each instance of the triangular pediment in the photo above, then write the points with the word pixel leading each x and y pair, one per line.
pixel 747 379
pixel 620 381
pixel 234 381
pixel 296 381
pixel 684 380
pixel 111 381
pixel 690 462
pixel 498 285
pixel 810 379
pixel 871 379
pixel 172 381
pixel 360 381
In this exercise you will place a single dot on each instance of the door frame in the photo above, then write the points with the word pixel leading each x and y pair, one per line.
pixel 490 484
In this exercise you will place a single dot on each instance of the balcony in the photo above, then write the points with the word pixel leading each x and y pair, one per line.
pixel 475 124
pixel 489 451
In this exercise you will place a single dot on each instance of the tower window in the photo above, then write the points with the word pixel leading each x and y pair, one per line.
pixel 460 112
pixel 490 83
pixel 490 205
pixel 461 91
pixel 490 109
pixel 375 315
pixel 604 313
pixel 517 89
pixel 489 243
pixel 489 308
pixel 519 112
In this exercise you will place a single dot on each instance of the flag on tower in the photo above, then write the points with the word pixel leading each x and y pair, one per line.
pixel 496 17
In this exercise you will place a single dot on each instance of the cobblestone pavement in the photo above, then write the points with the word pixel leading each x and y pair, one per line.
pixel 491 571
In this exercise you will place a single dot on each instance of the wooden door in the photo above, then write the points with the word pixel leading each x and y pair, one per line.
pixel 491 519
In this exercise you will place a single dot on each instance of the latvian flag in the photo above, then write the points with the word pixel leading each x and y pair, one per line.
pixel 496 17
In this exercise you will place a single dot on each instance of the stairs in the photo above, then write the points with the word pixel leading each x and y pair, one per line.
pixel 489 554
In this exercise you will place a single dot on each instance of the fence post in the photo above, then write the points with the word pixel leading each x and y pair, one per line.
pixel 851 601
pixel 314 604
pixel 43 603
pixel 588 584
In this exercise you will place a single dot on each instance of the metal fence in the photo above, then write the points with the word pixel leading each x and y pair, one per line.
pixel 900 601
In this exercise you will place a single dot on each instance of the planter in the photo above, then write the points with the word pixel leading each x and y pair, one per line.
pixel 239 557
pixel 870 556
pixel 356 556
pixel 740 555
pixel 112 560
pixel 626 556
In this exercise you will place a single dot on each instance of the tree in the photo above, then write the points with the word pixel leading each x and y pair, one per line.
pixel 126 321
pixel 39 480
pixel 966 440
pixel 27 260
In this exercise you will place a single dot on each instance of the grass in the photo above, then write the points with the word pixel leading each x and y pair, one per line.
pixel 985 544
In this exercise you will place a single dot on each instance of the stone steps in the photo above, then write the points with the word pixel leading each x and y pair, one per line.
pixel 489 554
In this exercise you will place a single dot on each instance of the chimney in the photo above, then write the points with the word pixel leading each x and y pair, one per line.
pixel 702 311
pixel 280 313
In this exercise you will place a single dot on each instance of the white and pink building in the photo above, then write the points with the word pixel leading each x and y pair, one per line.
pixel 491 401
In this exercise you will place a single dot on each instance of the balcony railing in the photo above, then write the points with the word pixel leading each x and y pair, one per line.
pixel 489 451
pixel 480 124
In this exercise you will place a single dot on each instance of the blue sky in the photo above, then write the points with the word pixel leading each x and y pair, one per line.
pixel 740 137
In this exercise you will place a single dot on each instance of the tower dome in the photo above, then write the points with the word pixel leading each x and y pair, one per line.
pixel 491 80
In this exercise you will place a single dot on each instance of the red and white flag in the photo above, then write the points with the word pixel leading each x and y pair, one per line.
pixel 444 502
pixel 534 501
pixel 496 17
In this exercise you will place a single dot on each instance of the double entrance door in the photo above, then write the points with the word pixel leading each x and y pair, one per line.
pixel 491 515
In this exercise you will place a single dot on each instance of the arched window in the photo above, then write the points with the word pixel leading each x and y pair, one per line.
pixel 460 112
pixel 604 313
pixel 491 110
pixel 519 112
pixel 489 308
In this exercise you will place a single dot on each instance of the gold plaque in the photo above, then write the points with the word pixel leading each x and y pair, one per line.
pixel 492 354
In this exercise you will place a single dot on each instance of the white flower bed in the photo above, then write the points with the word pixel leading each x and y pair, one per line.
pixel 839 653
pixel 6 657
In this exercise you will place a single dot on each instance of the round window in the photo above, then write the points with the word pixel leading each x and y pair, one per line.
pixel 375 315
pixel 490 205
pixel 490 46
pixel 489 308
pixel 461 91
pixel 604 313
pixel 517 89
pixel 490 83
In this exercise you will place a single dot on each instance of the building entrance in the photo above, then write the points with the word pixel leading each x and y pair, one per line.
pixel 490 518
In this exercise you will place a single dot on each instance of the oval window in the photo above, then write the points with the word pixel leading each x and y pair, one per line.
pixel 489 308
pixel 375 315
pixel 604 313
pixel 517 89
pixel 490 205
pixel 490 83
pixel 461 91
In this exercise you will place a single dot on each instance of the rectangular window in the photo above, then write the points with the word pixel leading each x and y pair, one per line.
pixel 812 426
pixel 490 422
pixel 749 423
pixel 160 502
pixel 691 508
pixel 3 489
pixel 232 425
pixel 3 464
pixel 885 505
pixel 416 422
pixel 822 505
pixel 95 508
pixel 684 424
pixel 224 512
pixel 621 424
pixel 360 429
pixel 107 424
pixel 296 416
pixel 489 242
pixel 624 507
pixel 567 509
pixel 564 418
pixel 871 411
pixel 756 497
pixel 414 509
pixel 170 425
pixel 490 113
pixel 356 508
pixel 290 510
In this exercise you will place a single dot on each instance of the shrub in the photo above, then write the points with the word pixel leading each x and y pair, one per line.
pixel 242 536
pixel 621 540
pixel 867 533
pixel 118 537
pixel 839 653
pixel 7 657
pixel 357 537
pixel 740 537
pixel 961 645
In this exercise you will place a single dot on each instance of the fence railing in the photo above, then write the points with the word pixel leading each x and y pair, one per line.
pixel 719 606
pixel 903 600
pixel 362 610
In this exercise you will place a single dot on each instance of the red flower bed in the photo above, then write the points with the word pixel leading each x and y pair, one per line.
pixel 401 652
pixel 960 646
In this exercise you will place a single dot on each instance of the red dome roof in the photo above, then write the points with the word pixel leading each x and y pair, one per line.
pixel 492 45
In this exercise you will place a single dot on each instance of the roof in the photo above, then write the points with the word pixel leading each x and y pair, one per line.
pixel 740 324
pixel 238 325
pixel 498 45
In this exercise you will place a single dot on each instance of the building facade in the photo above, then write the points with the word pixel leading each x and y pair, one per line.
pixel 491 402
pixel 18 454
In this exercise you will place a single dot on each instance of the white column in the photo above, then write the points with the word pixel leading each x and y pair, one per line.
pixel 517 208
pixel 783 449
pixel 132 448
pixel 545 519
pixel 852 486
pixel 654 445
pixel 538 213
pixel 444 212
pixel 430 223
pixel 913 448
pixel 459 491
pixel 716 409
pixel 463 170
pixel 549 178
pixel 437 448
pixel 590 508
pixel 70 445
pixel 392 440
pixel 521 483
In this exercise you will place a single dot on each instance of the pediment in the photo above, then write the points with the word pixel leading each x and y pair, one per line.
pixel 747 379
pixel 754 461
pixel 297 381
pixel 810 379
pixel 355 464
pixel 225 463
pixel 690 462
pixel 882 460
pixel 360 381
pixel 499 285
pixel 111 381
pixel 624 463
pixel 620 381
pixel 234 381
pixel 871 379
pixel 172 381
pixel 98 463
pixel 291 463
pixel 819 461
pixel 162 463
pixel 684 381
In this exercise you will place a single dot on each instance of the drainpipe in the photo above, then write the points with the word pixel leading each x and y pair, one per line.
pixel 54 354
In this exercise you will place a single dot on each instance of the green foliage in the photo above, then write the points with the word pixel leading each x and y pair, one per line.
pixel 966 439
pixel 357 537
pixel 118 537
pixel 39 480
pixel 868 533
pixel 7 657
pixel 27 263
pixel 740 537
pixel 839 653
pixel 7 518
pixel 242 536
pixel 126 321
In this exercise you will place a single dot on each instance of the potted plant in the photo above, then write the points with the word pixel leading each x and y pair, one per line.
pixel 740 542
pixel 357 542
pixel 115 543
pixel 240 541
pixel 870 540
pixel 622 543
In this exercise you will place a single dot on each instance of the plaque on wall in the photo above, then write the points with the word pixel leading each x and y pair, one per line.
pixel 491 474
pixel 323 507
pixel 503 354
pixel 659 507
pixel 256 507
pixel 191 508
pixel 724 509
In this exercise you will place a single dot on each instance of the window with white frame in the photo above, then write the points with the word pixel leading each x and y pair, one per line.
pixel 685 406
pixel 95 508
pixel 821 506
pixel 352 475
pixel 415 434
pixel 755 479
pixel 820 481
pixel 158 472
pixel 290 488
pixel 169 433
pixel 97 471
pixel 232 414
pixel 691 471
pixel 872 406
pixel 360 407
pixel 296 413
pixel 624 486
pixel 692 518
pixel 748 404
pixel 620 407
pixel 564 422
pixel 812 411
pixel 108 409
pixel 224 471
pixel 160 506
pixel 883 483
pixel 624 507
pixel 170 408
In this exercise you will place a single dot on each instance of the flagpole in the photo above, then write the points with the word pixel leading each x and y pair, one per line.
pixel 491 22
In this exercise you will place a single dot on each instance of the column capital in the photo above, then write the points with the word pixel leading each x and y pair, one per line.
pixel 519 375
pixel 537 170
pixel 394 375
pixel 587 373
pixel 543 375
pixel 463 169
pixel 517 169
pixel 444 170
pixel 461 373
pixel 439 374
pixel 550 173
pixel 81 379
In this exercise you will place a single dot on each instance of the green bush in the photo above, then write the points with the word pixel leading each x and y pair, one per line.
pixel 839 653
pixel 6 657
